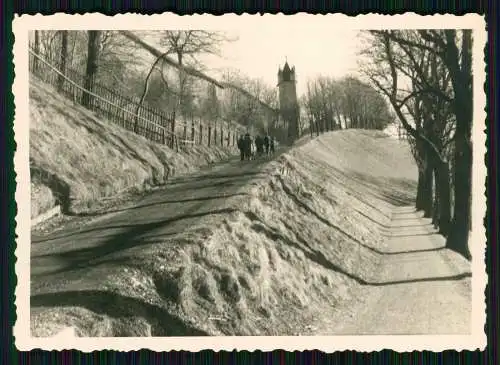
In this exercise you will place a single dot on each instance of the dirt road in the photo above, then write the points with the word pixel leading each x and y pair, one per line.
pixel 423 288
pixel 61 260
pixel 105 269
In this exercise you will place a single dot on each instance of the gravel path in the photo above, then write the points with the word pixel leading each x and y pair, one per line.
pixel 422 288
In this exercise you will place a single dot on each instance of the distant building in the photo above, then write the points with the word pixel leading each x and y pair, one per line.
pixel 289 106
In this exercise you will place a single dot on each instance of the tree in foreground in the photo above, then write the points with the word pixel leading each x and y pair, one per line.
pixel 92 65
pixel 427 77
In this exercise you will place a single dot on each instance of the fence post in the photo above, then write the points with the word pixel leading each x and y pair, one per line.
pixel 37 50
pixel 192 129
pixel 201 133
pixel 222 134
pixel 149 129
pixel 185 129
pixel 172 130
pixel 158 123
pixel 215 134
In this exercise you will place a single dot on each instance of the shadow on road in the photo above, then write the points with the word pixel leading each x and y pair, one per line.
pixel 202 178
pixel 319 257
pixel 381 188
pixel 413 234
pixel 121 307
pixel 129 236
pixel 172 201
pixel 163 213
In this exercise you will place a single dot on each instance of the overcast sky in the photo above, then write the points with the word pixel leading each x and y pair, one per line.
pixel 315 46
pixel 312 50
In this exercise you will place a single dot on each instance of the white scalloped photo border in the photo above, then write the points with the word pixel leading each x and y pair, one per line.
pixel 23 340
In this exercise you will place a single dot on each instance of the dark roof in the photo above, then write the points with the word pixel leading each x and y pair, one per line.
pixel 286 68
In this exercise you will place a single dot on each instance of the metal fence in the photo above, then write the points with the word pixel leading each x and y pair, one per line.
pixel 155 125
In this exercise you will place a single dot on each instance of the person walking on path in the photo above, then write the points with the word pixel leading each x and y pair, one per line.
pixel 258 145
pixel 247 146
pixel 266 144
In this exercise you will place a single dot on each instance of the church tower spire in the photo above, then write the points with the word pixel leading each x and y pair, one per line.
pixel 289 110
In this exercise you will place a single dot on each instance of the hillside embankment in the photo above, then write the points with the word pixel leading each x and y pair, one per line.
pixel 81 162
pixel 243 248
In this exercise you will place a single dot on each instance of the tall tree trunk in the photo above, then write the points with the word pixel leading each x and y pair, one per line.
pixel 419 203
pixel 425 180
pixel 92 65
pixel 339 121
pixel 62 61
pixel 145 92
pixel 427 189
pixel 181 82
pixel 461 76
pixel 458 238
pixel 346 122
pixel 435 208
pixel 37 50
pixel 443 192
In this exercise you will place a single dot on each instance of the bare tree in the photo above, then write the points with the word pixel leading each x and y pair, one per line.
pixel 442 100
pixel 250 102
pixel 118 56
pixel 146 89
pixel 92 65
pixel 188 46
pixel 36 47
pixel 64 55
pixel 327 101
pixel 48 46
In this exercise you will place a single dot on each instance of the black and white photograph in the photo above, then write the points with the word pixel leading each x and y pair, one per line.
pixel 250 182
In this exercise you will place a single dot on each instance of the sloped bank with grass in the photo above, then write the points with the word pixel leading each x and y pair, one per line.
pixel 304 240
pixel 297 245
pixel 76 159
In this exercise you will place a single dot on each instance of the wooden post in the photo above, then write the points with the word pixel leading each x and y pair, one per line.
pixel 37 50
pixel 201 133
pixel 222 134
pixel 123 113
pixel 192 129
pixel 152 125
pixel 157 119
pixel 155 131
pixel 172 130
pixel 147 125
pixel 209 134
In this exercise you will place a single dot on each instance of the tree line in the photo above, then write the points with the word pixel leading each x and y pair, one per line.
pixel 115 60
pixel 427 77
pixel 331 104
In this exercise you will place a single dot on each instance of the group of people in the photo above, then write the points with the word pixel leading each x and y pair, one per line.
pixel 257 147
